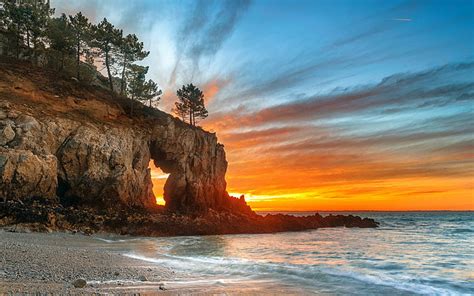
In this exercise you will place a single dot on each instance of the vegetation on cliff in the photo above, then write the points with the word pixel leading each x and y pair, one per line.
pixel 73 46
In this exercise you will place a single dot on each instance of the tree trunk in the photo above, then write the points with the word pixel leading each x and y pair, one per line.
pixel 131 105
pixel 107 64
pixel 122 84
pixel 78 58
pixel 62 60
pixel 28 39
pixel 190 116
pixel 18 42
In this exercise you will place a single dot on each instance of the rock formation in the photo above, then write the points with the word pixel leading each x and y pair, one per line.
pixel 86 150
pixel 72 159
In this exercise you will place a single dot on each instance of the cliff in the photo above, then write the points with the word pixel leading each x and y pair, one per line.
pixel 76 142
pixel 72 158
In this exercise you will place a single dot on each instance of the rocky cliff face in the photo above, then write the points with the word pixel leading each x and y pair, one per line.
pixel 80 146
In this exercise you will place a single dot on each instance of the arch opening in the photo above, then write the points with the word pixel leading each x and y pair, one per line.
pixel 158 180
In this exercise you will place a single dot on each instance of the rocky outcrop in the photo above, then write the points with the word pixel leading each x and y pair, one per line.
pixel 196 164
pixel 87 163
pixel 60 139
pixel 36 214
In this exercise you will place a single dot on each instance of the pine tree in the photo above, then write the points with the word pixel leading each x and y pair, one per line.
pixel 60 37
pixel 81 30
pixel 26 21
pixel 136 77
pixel 151 93
pixel 181 110
pixel 139 89
pixel 37 25
pixel 106 39
pixel 13 19
pixel 131 50
pixel 191 102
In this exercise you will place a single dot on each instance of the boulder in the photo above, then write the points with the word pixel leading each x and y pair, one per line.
pixel 7 134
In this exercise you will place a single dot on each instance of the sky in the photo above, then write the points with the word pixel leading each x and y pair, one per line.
pixel 321 105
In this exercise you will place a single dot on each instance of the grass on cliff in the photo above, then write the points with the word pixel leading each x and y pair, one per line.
pixel 34 89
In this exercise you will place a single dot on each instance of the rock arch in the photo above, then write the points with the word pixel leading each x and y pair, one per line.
pixel 196 164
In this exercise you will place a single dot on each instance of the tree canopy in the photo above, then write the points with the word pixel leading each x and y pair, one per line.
pixel 131 51
pixel 190 106
pixel 82 35
pixel 72 45
pixel 107 39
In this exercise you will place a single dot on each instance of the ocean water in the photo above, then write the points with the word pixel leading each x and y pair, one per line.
pixel 414 253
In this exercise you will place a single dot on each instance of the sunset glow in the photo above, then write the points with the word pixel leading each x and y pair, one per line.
pixel 367 108
pixel 158 178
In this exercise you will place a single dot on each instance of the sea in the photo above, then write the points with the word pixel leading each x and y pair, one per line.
pixel 411 253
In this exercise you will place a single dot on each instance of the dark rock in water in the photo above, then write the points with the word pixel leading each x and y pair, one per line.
pixel 162 287
pixel 31 214
pixel 116 273
pixel 79 283
pixel 143 278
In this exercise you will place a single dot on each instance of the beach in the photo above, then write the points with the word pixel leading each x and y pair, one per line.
pixel 51 262
pixel 411 253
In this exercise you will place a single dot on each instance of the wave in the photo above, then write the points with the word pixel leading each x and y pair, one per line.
pixel 462 230
pixel 298 274
pixel 111 241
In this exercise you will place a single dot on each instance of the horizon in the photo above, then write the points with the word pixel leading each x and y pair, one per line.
pixel 370 111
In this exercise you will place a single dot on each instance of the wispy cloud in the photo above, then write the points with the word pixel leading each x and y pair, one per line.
pixel 402 19
pixel 412 90
pixel 207 27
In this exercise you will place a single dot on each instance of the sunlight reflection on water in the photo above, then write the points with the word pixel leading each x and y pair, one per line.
pixel 410 253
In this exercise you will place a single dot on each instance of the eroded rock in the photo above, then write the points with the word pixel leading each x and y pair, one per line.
pixel 88 162
pixel 7 134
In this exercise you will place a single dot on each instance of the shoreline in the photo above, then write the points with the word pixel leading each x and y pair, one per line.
pixel 51 262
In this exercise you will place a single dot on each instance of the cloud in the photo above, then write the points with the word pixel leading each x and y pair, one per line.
pixel 204 32
pixel 402 19
pixel 345 144
pixel 409 90
pixel 212 88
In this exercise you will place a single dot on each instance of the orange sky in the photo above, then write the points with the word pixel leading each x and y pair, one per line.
pixel 323 132
pixel 334 182
pixel 299 166
pixel 283 160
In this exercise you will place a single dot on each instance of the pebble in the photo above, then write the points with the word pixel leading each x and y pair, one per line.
pixel 79 283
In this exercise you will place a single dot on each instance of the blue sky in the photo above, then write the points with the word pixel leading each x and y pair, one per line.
pixel 391 79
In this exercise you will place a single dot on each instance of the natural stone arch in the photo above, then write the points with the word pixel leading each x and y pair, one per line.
pixel 196 164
